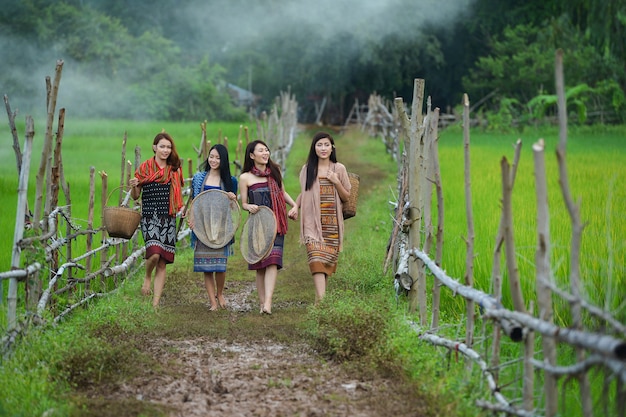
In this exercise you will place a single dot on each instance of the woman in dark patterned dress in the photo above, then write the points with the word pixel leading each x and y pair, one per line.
pixel 214 175
pixel 261 184
pixel 159 181
pixel 324 186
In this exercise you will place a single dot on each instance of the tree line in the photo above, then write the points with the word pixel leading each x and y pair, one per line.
pixel 152 61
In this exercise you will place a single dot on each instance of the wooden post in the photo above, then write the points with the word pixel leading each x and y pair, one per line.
pixel 440 215
pixel 47 146
pixel 496 270
pixel 469 255
pixel 90 212
pixel 417 294
pixel 22 192
pixel 543 275
pixel 577 227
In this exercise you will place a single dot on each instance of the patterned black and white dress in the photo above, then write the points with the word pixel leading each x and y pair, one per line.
pixel 157 226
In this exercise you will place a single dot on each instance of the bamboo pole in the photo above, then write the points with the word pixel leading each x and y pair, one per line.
pixel 496 272
pixel 417 294
pixel 440 217
pixel 122 168
pixel 469 255
pixel 542 266
pixel 577 227
pixel 22 192
pixel 44 166
pixel 90 214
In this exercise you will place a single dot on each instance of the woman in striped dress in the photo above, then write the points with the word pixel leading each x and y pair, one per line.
pixel 324 186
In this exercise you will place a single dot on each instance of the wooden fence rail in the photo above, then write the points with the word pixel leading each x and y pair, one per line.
pixel 410 249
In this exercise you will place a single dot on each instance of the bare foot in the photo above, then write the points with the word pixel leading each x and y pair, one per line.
pixel 222 301
pixel 145 288
pixel 213 307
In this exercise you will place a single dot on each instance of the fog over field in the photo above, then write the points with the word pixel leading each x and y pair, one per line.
pixel 216 28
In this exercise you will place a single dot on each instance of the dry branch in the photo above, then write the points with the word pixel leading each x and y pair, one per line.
pixel 486 301
pixel 471 354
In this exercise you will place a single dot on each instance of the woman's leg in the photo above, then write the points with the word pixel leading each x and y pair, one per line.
pixel 159 282
pixel 270 282
pixel 220 281
pixel 319 279
pixel 260 286
pixel 209 283
pixel 151 263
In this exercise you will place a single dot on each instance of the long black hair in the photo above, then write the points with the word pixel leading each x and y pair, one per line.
pixel 313 159
pixel 224 166
pixel 248 163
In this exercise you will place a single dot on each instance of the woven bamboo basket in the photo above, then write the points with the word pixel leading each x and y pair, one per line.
pixel 349 207
pixel 120 221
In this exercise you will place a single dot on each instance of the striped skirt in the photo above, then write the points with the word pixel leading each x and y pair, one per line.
pixel 322 256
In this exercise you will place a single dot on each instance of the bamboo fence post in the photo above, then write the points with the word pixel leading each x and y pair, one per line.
pixel 440 218
pixel 135 238
pixel 469 256
pixel 496 271
pixel 22 192
pixel 103 200
pixel 427 186
pixel 577 227
pixel 122 168
pixel 90 212
pixel 52 92
pixel 542 265
pixel 417 294
pixel 528 387
pixel 511 262
pixel 16 142
pixel 509 244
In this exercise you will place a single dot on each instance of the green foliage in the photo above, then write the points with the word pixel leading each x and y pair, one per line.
pixel 521 67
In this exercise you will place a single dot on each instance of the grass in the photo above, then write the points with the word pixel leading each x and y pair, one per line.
pixel 596 165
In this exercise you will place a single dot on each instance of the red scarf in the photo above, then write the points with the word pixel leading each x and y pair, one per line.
pixel 149 171
pixel 278 199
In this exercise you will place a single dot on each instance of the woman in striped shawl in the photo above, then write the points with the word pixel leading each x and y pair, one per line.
pixel 324 186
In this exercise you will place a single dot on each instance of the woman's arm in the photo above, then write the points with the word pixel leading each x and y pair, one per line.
pixel 243 188
pixel 135 188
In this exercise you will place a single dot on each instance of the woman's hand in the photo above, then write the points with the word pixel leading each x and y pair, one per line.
pixel 293 213
pixel 332 177
pixel 252 208
pixel 231 195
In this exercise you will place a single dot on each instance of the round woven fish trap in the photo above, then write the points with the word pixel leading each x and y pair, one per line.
pixel 120 221
pixel 257 235
pixel 349 207
pixel 215 218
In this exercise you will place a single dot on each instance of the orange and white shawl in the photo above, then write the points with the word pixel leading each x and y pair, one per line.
pixel 149 172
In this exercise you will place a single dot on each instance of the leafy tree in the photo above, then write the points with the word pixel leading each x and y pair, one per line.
pixel 521 63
